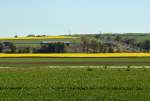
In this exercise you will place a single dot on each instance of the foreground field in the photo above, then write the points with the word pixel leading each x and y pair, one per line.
pixel 37 62
pixel 44 84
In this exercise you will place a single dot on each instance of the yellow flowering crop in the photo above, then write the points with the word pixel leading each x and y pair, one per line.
pixel 38 38
pixel 78 55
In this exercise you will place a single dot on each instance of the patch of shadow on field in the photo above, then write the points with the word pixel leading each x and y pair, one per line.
pixel 74 88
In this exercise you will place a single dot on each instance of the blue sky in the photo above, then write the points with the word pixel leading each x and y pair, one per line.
pixel 54 17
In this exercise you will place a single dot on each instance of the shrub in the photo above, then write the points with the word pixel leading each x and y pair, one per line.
pixel 89 69
pixel 128 68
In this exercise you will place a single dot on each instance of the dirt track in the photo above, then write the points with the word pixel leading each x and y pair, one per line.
pixel 80 63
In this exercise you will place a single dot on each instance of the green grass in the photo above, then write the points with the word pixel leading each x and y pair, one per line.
pixel 139 38
pixel 43 84
pixel 74 59
pixel 113 61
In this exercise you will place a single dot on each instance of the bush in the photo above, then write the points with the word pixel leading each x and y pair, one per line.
pixel 128 68
pixel 144 69
pixel 89 69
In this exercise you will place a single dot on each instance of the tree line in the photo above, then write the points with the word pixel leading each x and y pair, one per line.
pixel 86 44
pixel 109 45
pixel 9 47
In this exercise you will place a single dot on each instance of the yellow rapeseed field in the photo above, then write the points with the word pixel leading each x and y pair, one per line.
pixel 37 38
pixel 78 55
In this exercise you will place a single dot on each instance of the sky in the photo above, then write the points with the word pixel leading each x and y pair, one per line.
pixel 58 17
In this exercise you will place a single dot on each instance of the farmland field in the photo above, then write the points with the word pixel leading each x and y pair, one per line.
pixel 35 41
pixel 44 84
pixel 74 61
pixel 55 79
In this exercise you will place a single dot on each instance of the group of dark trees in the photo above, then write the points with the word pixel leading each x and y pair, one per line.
pixel 9 47
pixel 52 48
pixel 92 45
pixel 109 44
pixel 145 46
pixel 32 35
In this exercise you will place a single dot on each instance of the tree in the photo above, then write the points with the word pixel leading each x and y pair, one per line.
pixel 52 48
pixel 1 47
pixel 146 45
pixel 26 50
pixel 130 41
pixel 100 46
pixel 94 45
pixel 108 38
pixel 11 46
pixel 118 38
pixel 85 44
pixel 16 36
pixel 31 35
pixel 110 50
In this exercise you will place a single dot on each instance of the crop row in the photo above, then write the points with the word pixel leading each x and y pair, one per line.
pixel 78 55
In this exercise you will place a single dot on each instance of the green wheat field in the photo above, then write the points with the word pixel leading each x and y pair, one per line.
pixel 74 84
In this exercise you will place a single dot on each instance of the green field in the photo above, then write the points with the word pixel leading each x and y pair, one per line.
pixel 47 82
pixel 44 84
pixel 36 43
pixel 75 59
pixel 37 62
